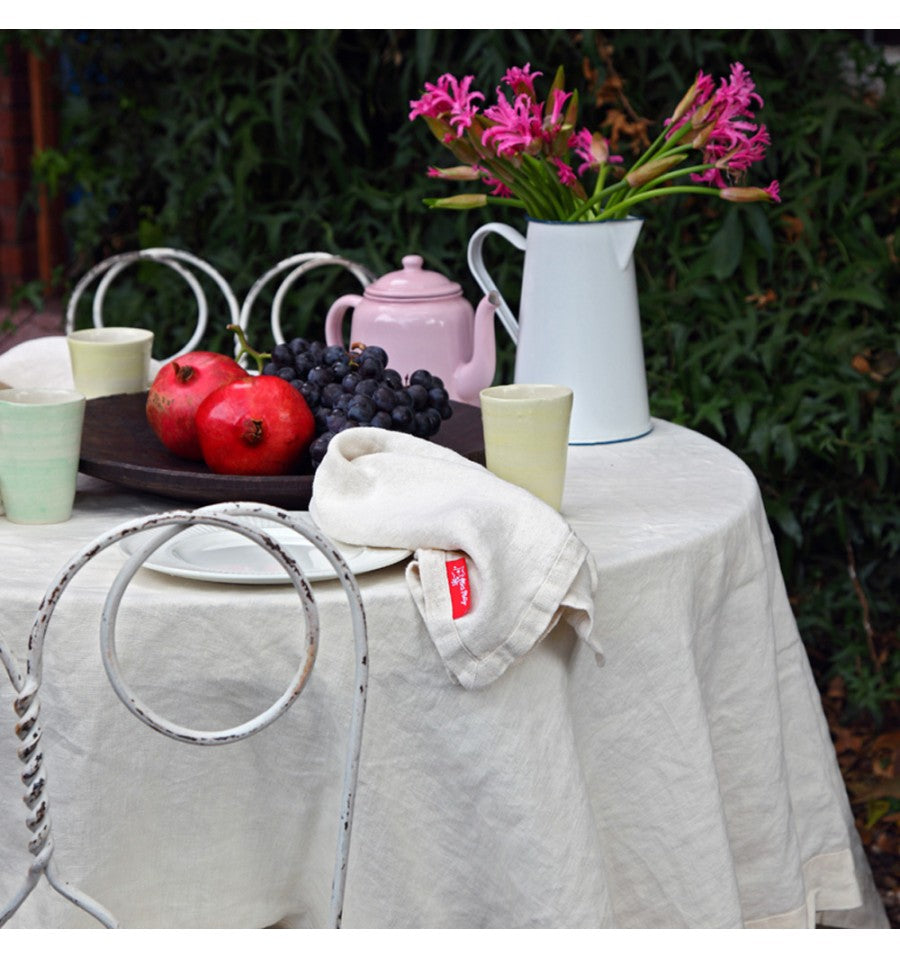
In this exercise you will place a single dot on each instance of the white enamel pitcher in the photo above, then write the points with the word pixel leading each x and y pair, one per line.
pixel 579 324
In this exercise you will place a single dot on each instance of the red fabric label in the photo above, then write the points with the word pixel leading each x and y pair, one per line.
pixel 458 580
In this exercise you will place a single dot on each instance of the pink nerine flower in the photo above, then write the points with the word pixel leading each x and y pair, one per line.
pixel 564 171
pixel 739 90
pixel 521 127
pixel 530 154
pixel 521 79
pixel 448 99
pixel 729 139
pixel 734 152
pixel 580 143
pixel 593 149
pixel 704 105
pixel 554 119
pixel 497 188
pixel 518 126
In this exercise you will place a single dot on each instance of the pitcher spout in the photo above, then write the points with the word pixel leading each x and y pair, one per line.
pixel 473 376
pixel 624 239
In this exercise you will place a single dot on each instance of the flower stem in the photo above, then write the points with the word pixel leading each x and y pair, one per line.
pixel 592 201
pixel 616 211
pixel 505 201
pixel 523 187
pixel 555 208
pixel 620 196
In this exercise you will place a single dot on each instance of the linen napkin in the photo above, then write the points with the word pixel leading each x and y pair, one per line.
pixel 43 361
pixel 495 568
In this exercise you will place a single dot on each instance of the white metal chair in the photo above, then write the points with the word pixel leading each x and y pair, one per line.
pixel 295 266
pixel 27 682
pixel 179 261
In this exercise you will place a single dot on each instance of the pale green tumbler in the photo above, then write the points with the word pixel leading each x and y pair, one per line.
pixel 526 436
pixel 107 360
pixel 40 445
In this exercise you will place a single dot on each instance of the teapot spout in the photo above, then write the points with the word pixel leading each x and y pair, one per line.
pixel 472 377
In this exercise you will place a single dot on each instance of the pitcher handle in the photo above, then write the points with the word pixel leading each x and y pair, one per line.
pixel 334 334
pixel 482 277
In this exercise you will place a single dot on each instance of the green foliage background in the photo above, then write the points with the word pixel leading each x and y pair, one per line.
pixel 774 330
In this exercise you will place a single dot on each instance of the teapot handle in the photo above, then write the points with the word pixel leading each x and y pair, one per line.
pixel 482 277
pixel 334 334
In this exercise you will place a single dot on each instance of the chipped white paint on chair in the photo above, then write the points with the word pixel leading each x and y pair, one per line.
pixel 27 683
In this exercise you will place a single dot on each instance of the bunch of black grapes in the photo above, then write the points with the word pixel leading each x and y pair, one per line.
pixel 356 387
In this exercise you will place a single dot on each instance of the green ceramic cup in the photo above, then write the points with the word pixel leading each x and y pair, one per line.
pixel 110 359
pixel 40 444
pixel 526 436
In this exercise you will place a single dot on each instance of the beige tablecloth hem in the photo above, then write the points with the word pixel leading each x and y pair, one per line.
pixel 831 884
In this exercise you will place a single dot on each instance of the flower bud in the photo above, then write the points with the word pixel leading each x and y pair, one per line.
pixel 599 149
pixel 700 140
pixel 442 131
pixel 462 201
pixel 454 173
pixel 751 194
pixel 686 102
pixel 653 169
pixel 701 114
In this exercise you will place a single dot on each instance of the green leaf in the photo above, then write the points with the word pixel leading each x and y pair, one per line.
pixel 762 231
pixel 743 411
pixel 866 295
pixel 727 246
pixel 784 516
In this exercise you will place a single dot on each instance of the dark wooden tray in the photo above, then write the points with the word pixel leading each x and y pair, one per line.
pixel 118 445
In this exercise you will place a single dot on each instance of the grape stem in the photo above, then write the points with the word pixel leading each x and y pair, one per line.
pixel 246 349
pixel 353 353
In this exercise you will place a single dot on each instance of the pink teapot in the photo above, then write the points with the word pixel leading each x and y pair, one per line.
pixel 421 319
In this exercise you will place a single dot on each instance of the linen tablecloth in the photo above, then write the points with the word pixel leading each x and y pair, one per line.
pixel 689 781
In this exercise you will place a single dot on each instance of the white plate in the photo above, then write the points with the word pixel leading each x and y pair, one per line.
pixel 218 555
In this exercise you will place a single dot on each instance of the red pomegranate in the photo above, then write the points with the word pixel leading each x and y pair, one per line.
pixel 258 426
pixel 179 388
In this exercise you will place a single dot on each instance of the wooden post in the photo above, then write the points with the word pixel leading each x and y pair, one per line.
pixel 17 240
pixel 44 134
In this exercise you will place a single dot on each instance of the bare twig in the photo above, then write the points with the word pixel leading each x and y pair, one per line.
pixel 621 116
pixel 864 604
pixel 606 49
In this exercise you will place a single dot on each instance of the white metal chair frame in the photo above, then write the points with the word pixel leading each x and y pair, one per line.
pixel 27 684
pixel 299 265
pixel 111 267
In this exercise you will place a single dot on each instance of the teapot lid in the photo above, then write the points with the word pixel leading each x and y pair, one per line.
pixel 412 283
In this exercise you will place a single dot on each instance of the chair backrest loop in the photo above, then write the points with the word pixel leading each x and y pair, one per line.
pixel 233 517
pixel 299 265
pixel 174 259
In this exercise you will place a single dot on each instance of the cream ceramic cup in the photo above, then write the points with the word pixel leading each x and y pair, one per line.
pixel 40 444
pixel 526 436
pixel 110 359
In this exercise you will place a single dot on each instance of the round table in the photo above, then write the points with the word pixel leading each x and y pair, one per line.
pixel 687 781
